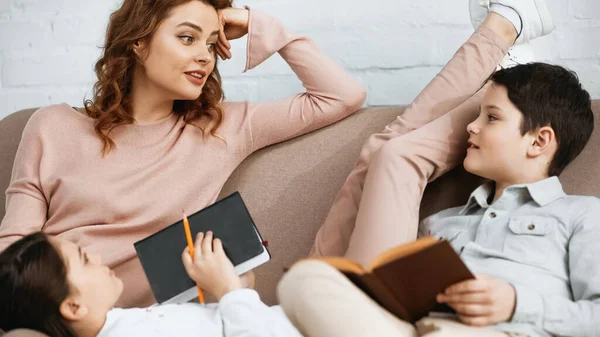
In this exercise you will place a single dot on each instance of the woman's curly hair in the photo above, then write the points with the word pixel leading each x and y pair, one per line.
pixel 111 103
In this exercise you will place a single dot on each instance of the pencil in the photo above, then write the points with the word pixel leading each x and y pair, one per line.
pixel 190 242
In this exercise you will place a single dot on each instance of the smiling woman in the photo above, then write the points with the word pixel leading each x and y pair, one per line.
pixel 157 137
pixel 170 56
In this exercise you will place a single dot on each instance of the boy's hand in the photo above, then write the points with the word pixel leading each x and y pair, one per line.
pixel 480 302
pixel 211 269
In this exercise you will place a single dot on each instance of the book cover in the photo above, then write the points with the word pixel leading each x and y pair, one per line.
pixel 228 219
pixel 406 279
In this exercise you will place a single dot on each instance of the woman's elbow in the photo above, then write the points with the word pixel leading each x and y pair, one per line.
pixel 355 98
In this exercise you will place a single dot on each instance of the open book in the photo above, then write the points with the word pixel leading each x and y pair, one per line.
pixel 406 279
pixel 229 220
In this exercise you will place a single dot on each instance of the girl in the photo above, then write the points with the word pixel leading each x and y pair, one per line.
pixel 53 286
pixel 156 136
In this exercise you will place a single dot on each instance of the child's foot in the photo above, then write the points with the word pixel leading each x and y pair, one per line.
pixel 478 10
pixel 517 54
pixel 530 18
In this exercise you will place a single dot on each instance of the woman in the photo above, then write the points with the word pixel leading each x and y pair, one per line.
pixel 156 137
pixel 54 287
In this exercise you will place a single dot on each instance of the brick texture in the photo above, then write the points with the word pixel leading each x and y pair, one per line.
pixel 393 47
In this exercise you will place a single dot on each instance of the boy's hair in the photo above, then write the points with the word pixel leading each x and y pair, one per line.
pixel 550 95
pixel 33 284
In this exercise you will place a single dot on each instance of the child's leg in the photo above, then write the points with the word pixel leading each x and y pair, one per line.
pixel 321 302
pixel 464 74
pixel 388 213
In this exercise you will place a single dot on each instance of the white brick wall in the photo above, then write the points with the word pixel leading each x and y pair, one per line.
pixel 394 47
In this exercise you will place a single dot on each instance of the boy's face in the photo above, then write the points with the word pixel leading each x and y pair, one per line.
pixel 497 150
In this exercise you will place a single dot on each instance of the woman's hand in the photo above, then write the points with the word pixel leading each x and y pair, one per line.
pixel 211 269
pixel 234 24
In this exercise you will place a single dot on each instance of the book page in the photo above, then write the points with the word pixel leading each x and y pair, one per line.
pixel 400 251
pixel 344 265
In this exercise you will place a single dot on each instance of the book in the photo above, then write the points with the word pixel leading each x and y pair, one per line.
pixel 228 219
pixel 406 279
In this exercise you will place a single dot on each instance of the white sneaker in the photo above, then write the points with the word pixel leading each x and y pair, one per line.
pixel 517 54
pixel 535 17
pixel 478 10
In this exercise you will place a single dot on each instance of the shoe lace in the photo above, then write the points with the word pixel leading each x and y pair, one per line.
pixel 511 59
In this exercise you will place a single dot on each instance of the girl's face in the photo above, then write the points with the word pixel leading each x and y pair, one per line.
pixel 180 56
pixel 93 285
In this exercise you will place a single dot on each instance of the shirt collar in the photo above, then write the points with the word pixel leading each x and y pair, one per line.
pixel 479 197
pixel 543 192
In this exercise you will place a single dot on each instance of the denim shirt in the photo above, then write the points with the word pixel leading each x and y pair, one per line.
pixel 542 241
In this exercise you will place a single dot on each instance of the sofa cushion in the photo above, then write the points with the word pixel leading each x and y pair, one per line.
pixel 289 187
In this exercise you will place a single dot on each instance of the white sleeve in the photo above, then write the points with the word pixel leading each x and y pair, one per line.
pixel 245 315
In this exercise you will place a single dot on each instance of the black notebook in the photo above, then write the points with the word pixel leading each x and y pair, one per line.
pixel 228 219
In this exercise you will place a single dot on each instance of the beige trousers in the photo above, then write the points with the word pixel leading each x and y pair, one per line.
pixel 321 302
pixel 378 206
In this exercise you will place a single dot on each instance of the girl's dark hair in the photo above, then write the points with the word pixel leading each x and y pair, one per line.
pixel 33 284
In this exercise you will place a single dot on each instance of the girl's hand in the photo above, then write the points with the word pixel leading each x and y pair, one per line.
pixel 248 279
pixel 211 269
pixel 234 24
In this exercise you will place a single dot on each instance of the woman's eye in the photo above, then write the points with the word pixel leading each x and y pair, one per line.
pixel 186 39
pixel 492 118
pixel 212 45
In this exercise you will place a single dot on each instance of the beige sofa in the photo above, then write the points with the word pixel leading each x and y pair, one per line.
pixel 289 187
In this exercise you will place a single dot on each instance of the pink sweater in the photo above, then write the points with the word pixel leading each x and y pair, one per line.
pixel 62 185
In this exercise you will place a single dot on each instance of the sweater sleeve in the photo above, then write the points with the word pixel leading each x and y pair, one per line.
pixel 245 315
pixel 561 316
pixel 331 93
pixel 26 205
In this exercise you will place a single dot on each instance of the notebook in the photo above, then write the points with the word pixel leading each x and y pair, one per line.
pixel 228 219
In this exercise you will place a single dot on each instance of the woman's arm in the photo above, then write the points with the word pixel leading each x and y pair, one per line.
pixel 331 93
pixel 26 206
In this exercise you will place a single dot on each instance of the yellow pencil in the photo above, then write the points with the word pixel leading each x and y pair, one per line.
pixel 190 242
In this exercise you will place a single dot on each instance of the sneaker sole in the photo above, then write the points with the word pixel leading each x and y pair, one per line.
pixel 544 12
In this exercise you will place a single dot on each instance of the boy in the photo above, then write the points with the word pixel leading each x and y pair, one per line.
pixel 531 246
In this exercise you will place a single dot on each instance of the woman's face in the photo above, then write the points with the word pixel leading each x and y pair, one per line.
pixel 94 284
pixel 180 56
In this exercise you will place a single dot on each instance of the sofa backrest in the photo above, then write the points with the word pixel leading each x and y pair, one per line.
pixel 289 187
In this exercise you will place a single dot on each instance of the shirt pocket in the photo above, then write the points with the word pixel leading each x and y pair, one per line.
pixel 529 239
